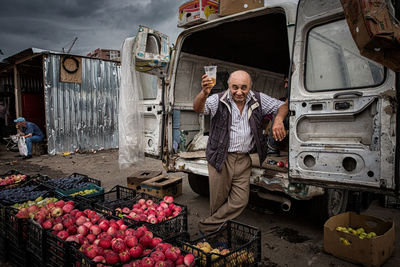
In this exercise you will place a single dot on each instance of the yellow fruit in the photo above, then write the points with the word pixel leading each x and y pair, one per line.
pixel 360 230
pixel 206 249
pixel 344 241
pixel 371 235
pixel 225 251
pixel 206 244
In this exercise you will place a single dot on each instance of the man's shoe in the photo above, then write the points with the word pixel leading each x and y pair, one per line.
pixel 273 152
pixel 27 157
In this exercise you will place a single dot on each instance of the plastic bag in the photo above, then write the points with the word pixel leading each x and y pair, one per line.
pixel 130 120
pixel 23 150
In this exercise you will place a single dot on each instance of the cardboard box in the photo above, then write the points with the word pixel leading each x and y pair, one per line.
pixel 229 7
pixel 136 179
pixel 374 31
pixel 162 185
pixel 367 251
pixel 197 11
pixel 151 51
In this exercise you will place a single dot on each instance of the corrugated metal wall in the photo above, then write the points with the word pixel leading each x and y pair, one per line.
pixel 82 116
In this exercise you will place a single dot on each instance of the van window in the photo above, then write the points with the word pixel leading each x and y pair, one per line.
pixel 333 60
pixel 149 85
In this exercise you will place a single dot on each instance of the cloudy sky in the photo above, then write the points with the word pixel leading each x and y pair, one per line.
pixel 53 24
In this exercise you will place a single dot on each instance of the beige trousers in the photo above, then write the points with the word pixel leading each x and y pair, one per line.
pixel 229 191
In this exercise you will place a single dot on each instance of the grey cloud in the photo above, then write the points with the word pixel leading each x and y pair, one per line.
pixel 52 24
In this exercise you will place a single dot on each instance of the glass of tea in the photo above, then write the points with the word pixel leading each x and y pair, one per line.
pixel 211 71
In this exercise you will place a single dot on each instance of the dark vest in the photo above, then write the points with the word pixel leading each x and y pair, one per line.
pixel 218 141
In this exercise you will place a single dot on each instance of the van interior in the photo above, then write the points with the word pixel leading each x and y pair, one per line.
pixel 258 45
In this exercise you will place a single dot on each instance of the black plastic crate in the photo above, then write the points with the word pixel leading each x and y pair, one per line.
pixel 19 230
pixel 79 178
pixel 17 257
pixel 166 229
pixel 115 198
pixel 36 240
pixel 16 233
pixel 58 251
pixel 3 249
pixel 14 172
pixel 392 202
pixel 242 241
pixel 35 261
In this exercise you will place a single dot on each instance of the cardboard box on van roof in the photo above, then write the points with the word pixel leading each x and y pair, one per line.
pixel 197 11
pixel 229 7
pixel 374 30
pixel 367 251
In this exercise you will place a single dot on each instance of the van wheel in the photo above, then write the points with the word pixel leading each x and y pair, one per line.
pixel 332 203
pixel 199 184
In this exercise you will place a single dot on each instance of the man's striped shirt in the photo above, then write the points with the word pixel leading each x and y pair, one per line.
pixel 240 138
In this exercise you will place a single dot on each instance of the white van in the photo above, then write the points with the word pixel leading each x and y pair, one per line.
pixel 342 121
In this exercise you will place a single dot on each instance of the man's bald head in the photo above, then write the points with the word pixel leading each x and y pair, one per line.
pixel 240 75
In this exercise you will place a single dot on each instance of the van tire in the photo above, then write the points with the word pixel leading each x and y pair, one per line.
pixel 332 203
pixel 199 184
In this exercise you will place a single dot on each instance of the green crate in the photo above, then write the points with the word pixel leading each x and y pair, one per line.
pixel 99 195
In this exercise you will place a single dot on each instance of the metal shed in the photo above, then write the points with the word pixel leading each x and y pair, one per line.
pixel 74 99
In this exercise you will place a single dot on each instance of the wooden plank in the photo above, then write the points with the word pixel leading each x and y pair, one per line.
pixel 70 69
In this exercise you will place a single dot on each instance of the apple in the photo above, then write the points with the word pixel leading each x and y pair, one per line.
pixel 111 257
pixel 95 229
pixel 147 262
pixel 67 208
pixel 105 243
pixel 157 256
pixel 62 234
pixel 136 251
pixel 99 258
pixel 155 241
pixel 172 253
pixel 83 230
pixel 91 251
pixel 118 245
pixel 131 241
pixel 124 256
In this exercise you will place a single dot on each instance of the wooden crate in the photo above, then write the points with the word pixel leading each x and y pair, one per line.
pixel 39 148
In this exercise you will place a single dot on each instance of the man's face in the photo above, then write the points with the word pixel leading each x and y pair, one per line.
pixel 20 124
pixel 239 86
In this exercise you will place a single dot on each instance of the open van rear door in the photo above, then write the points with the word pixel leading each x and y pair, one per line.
pixel 151 55
pixel 342 106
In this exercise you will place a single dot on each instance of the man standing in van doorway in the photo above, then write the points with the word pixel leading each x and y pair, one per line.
pixel 236 127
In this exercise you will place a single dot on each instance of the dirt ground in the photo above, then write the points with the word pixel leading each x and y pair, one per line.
pixel 288 239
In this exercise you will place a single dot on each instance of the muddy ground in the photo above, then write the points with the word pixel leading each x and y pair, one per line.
pixel 288 238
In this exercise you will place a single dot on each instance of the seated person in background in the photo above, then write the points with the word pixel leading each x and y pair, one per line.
pixel 273 145
pixel 31 132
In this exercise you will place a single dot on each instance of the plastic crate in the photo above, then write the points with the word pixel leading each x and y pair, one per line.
pixel 17 256
pixel 115 198
pixel 96 196
pixel 79 178
pixel 166 229
pixel 37 239
pixel 58 251
pixel 16 233
pixel 242 241
pixel 13 172
pixel 35 261
pixel 36 242
pixel 3 249
pixel 391 202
